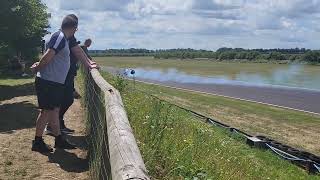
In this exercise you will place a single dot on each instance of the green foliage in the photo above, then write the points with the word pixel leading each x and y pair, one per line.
pixel 227 55
pixel 121 52
pixel 224 54
pixel 312 56
pixel 23 23
pixel 176 145
pixel 276 56
pixel 120 83
pixel 184 54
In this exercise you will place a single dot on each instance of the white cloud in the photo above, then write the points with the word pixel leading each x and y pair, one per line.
pixel 200 24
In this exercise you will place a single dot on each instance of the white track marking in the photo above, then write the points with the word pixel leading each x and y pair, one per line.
pixel 207 93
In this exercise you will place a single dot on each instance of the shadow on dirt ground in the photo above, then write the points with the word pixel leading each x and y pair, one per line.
pixel 69 161
pixel 9 92
pixel 19 115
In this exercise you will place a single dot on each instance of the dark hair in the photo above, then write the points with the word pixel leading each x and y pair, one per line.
pixel 88 41
pixel 73 16
pixel 69 22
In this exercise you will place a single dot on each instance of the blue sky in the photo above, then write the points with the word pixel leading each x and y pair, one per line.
pixel 198 24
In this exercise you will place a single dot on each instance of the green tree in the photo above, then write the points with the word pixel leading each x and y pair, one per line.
pixel 276 56
pixel 312 56
pixel 227 55
pixel 23 23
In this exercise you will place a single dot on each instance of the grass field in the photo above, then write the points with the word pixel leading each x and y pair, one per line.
pixel 298 129
pixel 177 145
pixel 209 68
pixel 199 67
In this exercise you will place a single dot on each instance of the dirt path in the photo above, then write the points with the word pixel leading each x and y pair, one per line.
pixel 17 161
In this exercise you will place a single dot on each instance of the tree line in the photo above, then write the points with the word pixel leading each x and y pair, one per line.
pixel 294 54
pixel 23 24
pixel 122 52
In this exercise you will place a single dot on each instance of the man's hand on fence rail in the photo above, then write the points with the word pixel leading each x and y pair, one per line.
pixel 93 65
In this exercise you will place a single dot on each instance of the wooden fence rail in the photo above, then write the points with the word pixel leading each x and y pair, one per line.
pixel 125 158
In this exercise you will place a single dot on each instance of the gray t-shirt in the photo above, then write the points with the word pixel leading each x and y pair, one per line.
pixel 57 69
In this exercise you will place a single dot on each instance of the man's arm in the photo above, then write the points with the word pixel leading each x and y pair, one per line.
pixel 55 45
pixel 80 55
pixel 45 59
pixel 85 49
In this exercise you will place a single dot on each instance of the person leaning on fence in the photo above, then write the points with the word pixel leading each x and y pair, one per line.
pixel 85 46
pixel 87 43
pixel 76 53
pixel 52 70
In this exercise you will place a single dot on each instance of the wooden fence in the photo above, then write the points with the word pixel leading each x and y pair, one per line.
pixel 122 152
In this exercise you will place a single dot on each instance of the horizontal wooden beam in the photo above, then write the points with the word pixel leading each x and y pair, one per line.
pixel 125 158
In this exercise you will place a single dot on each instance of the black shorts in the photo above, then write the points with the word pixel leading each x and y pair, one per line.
pixel 49 94
pixel 68 92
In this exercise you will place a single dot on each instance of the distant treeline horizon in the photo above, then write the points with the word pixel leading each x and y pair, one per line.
pixel 276 54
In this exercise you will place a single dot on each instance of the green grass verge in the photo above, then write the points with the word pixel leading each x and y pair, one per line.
pixel 175 145
pixel 9 78
pixel 15 82
pixel 286 126
pixel 200 67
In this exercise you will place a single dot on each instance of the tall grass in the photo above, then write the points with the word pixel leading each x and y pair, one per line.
pixel 176 145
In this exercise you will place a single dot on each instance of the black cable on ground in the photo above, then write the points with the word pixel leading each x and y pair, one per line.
pixel 311 166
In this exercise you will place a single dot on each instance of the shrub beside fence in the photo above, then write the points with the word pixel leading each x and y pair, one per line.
pixel 113 151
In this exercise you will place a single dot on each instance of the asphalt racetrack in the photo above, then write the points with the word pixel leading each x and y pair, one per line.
pixel 290 98
pixel 286 97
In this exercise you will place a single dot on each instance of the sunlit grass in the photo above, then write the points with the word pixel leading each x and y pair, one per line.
pixel 177 145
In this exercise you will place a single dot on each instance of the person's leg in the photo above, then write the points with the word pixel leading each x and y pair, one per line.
pixel 60 142
pixel 63 109
pixel 59 115
pixel 43 118
pixel 66 103
pixel 54 122
pixel 38 143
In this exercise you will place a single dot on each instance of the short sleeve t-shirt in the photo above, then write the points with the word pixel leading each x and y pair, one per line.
pixel 57 69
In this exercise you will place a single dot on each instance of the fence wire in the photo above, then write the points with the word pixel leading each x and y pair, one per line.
pixel 96 128
pixel 131 163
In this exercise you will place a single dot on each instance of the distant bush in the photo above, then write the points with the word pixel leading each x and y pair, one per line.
pixel 312 56
pixel 224 54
